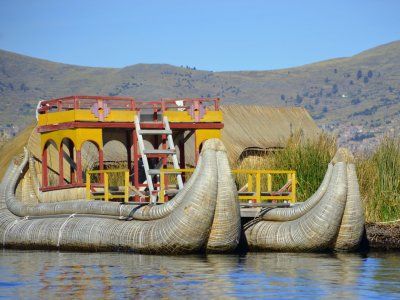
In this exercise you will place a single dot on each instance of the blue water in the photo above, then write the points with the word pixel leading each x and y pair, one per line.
pixel 50 275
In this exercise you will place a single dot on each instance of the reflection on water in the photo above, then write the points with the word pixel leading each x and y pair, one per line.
pixel 34 274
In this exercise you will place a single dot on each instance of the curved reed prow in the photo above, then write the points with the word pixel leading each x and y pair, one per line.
pixel 331 219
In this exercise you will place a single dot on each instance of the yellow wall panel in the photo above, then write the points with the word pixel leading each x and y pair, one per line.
pixel 205 134
pixel 78 136
pixel 184 116
pixel 85 115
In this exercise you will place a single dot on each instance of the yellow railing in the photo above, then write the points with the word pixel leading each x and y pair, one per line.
pixel 255 191
pixel 162 180
pixel 106 194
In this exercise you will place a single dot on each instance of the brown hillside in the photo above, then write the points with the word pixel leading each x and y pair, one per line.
pixel 362 90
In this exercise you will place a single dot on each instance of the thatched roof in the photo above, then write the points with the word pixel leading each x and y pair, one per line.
pixel 263 127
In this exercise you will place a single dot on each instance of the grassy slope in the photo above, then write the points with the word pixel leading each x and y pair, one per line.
pixel 318 87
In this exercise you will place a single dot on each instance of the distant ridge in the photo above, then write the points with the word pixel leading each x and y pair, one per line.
pixel 351 95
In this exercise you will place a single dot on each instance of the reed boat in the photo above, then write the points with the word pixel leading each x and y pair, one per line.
pixel 203 217
pixel 331 219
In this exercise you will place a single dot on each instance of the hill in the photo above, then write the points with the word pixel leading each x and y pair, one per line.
pixel 358 97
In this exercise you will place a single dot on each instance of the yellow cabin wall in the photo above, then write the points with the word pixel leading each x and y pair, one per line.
pixel 85 115
pixel 78 136
pixel 184 116
pixel 205 134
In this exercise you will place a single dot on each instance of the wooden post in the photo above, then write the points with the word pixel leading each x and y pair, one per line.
pixel 101 164
pixel 269 183
pixel 182 162
pixel 61 165
pixel 250 182
pixel 162 187
pixel 294 183
pixel 45 171
pixel 258 187
pixel 126 198
pixel 105 186
pixel 135 163
pixel 79 166
pixel 71 167
pixel 129 152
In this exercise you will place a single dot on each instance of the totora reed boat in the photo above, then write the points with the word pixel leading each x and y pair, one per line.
pixel 49 200
pixel 203 216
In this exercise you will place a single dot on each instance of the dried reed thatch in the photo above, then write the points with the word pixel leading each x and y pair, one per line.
pixel 258 128
pixel 333 218
pixel 263 127
pixel 204 216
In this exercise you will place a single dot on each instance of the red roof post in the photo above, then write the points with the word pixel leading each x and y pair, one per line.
pixel 45 171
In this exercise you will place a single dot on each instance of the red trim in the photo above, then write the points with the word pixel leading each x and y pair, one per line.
pixel 79 166
pixel 45 171
pixel 181 145
pixel 71 155
pixel 70 125
pixel 61 166
pixel 125 103
pixel 65 186
pixel 196 150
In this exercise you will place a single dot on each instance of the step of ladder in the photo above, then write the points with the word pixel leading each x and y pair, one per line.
pixel 159 151
pixel 154 131
pixel 158 172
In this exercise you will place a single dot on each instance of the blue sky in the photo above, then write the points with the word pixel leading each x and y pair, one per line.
pixel 208 34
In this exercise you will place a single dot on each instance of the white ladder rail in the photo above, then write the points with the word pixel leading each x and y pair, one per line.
pixel 171 146
pixel 153 198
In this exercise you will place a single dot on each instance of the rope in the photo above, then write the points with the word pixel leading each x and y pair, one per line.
pixel 257 218
pixel 132 212
pixel 62 228
pixel 251 223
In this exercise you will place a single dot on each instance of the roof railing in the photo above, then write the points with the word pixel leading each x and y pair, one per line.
pixel 124 103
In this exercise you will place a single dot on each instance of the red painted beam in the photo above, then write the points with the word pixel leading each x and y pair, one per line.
pixel 70 125
pixel 65 186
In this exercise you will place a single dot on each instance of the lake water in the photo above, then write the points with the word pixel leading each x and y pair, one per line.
pixel 48 275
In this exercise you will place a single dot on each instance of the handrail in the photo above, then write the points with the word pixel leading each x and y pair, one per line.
pixel 254 193
pixel 107 195
pixel 257 194
pixel 124 103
